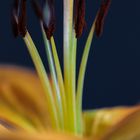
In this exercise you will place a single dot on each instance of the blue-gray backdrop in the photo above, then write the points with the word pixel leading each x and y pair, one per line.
pixel 113 70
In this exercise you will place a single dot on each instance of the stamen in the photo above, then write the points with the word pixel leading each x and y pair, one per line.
pixel 46 15
pixel 18 20
pixel 102 13
pixel 14 25
pixel 79 17
pixel 49 30
pixel 37 9
pixel 16 5
pixel 22 19
pixel 14 18
pixel 49 21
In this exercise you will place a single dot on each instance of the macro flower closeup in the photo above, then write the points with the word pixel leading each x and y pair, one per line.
pixel 38 105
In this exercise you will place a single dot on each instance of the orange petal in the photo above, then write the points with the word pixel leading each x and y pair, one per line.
pixel 21 94
pixel 126 129
pixel 38 136
pixel 113 123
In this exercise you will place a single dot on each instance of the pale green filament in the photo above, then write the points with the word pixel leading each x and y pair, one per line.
pixel 81 78
pixel 60 80
pixel 73 77
pixel 54 79
pixel 44 79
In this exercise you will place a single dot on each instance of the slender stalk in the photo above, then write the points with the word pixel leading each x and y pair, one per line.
pixel 60 80
pixel 68 24
pixel 44 79
pixel 81 78
pixel 54 79
pixel 73 76
pixel 73 64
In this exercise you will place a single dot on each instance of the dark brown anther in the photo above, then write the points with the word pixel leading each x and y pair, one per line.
pixel 14 25
pixel 19 18
pixel 49 31
pixel 16 6
pixel 22 19
pixel 102 13
pixel 42 13
pixel 49 23
pixel 79 17
pixel 14 18
pixel 37 9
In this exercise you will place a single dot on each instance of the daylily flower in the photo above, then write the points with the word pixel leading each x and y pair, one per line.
pixel 41 106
